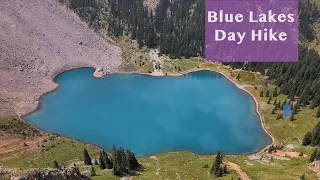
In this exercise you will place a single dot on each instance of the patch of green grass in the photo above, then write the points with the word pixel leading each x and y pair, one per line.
pixel 246 77
pixel 187 165
pixel 135 59
pixel 169 165
pixel 284 131
pixel 12 125
pixel 59 149
pixel 172 66
pixel 274 169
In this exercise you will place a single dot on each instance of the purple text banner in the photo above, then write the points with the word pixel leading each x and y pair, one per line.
pixel 252 30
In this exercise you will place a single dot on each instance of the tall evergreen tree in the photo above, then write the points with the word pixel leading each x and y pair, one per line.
pixel 307 139
pixel 225 170
pixel 316 135
pixel 318 113
pixel 292 117
pixel 101 162
pixel 132 162
pixel 86 157
pixel 268 93
pixel 238 76
pixel 317 158
pixel 106 159
pixel 275 92
pixel 123 161
pixel 278 105
pixel 116 160
pixel 92 171
pixel 313 155
pixel 269 100
pixel 219 172
pixel 261 93
pixel 216 164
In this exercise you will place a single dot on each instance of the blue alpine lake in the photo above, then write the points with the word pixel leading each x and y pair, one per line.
pixel 200 112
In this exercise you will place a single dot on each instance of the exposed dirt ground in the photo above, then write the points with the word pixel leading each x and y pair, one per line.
pixel 237 168
pixel 287 153
pixel 38 39
pixel 10 144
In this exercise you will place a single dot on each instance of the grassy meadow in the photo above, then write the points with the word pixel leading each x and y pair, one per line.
pixel 182 165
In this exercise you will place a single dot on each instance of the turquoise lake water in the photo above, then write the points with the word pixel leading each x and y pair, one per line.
pixel 200 112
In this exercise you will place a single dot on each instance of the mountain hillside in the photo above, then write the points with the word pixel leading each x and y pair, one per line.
pixel 40 38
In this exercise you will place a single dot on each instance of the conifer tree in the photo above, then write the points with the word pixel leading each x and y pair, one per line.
pixel 261 93
pixel 317 158
pixel 318 113
pixel 268 93
pixel 106 159
pixel 316 135
pixel 275 102
pixel 86 157
pixel 269 100
pixel 238 76
pixel 273 111
pixel 132 162
pixel 56 165
pixel 307 139
pixel 92 171
pixel 313 155
pixel 116 160
pixel 225 170
pixel 101 162
pixel 292 117
pixel 219 173
pixel 216 164
pixel 123 161
pixel 275 92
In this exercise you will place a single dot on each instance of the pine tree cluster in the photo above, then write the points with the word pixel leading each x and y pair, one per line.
pixel 104 161
pixel 123 162
pixel 177 27
pixel 217 170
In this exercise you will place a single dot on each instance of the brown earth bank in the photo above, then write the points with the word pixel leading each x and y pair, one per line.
pixel 17 145
pixel 39 39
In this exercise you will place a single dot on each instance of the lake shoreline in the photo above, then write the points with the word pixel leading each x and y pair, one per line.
pixel 241 87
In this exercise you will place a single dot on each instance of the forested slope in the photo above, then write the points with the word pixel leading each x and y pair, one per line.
pixel 177 29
